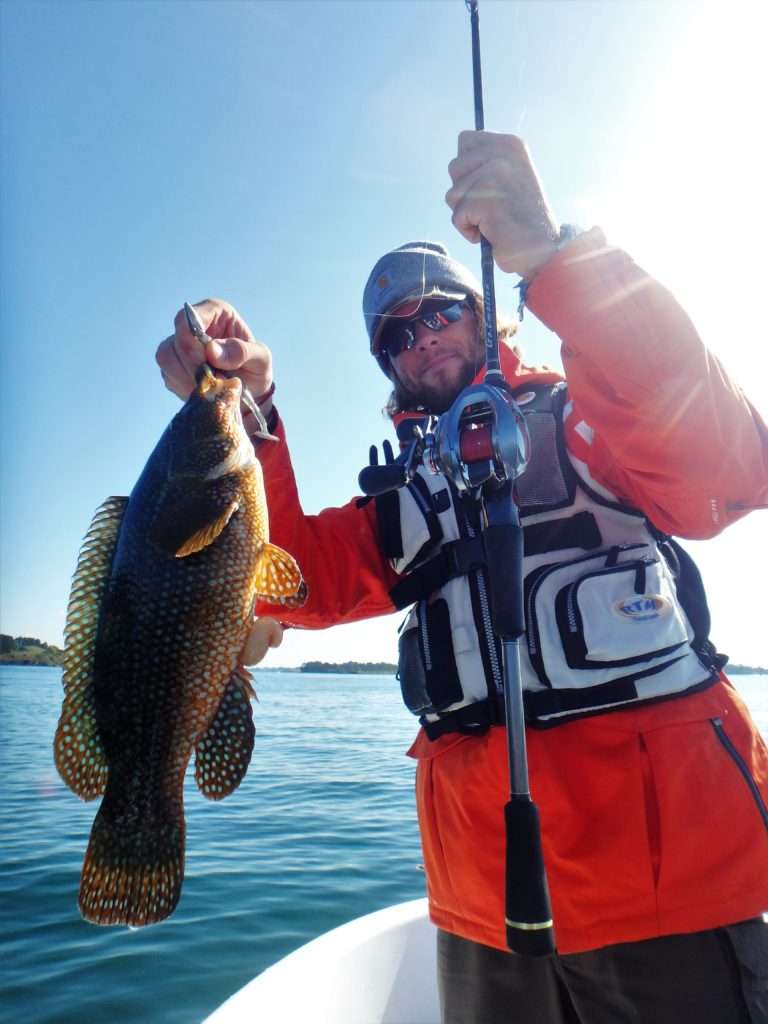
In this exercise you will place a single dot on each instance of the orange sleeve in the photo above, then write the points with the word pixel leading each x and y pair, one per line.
pixel 658 420
pixel 347 577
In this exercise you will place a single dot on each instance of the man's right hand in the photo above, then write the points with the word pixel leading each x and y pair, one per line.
pixel 233 348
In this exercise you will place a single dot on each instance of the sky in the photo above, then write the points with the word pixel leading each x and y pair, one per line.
pixel 268 153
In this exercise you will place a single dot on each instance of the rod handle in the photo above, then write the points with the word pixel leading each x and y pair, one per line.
pixel 504 551
pixel 528 911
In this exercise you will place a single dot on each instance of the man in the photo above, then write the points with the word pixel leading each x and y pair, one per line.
pixel 651 780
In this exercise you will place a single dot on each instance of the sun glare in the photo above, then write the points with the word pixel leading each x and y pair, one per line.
pixel 691 203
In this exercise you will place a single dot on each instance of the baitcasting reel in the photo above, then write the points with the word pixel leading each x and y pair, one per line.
pixel 482 439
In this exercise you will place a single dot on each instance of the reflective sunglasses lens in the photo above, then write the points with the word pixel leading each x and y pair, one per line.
pixel 397 338
pixel 450 315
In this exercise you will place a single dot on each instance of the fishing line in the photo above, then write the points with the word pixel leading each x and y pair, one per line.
pixel 422 298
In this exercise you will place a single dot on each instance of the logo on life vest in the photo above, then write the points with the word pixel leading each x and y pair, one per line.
pixel 642 607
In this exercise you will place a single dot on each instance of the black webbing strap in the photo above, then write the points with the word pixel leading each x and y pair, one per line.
pixel 388 524
pixel 579 531
pixel 456 558
pixel 472 720
pixel 541 703
pixel 477 718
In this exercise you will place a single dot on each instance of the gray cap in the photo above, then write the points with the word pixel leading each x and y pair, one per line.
pixel 416 271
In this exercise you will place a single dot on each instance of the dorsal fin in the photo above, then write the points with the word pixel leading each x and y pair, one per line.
pixel 78 752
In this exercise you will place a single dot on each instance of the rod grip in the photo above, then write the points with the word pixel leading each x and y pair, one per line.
pixel 504 551
pixel 528 912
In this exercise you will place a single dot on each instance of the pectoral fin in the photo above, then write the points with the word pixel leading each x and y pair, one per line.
pixel 223 754
pixel 194 520
pixel 278 578
pixel 78 752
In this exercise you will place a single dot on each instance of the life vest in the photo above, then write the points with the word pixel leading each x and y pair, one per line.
pixel 615 611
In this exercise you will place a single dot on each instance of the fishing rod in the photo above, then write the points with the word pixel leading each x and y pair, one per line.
pixel 490 334
pixel 528 916
pixel 481 445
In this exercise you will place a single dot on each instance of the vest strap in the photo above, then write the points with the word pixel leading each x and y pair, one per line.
pixel 472 720
pixel 542 703
pixel 456 558
pixel 579 531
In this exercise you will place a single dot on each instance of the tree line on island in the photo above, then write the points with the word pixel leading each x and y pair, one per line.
pixel 349 668
pixel 29 650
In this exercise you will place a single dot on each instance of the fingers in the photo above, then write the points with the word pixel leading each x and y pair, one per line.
pixel 476 196
pixel 265 633
pixel 233 348
pixel 497 193
pixel 219 318
pixel 475 148
pixel 177 370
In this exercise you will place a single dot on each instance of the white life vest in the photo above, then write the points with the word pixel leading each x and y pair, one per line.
pixel 605 624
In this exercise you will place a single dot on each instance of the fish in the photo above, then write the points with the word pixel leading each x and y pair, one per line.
pixel 161 605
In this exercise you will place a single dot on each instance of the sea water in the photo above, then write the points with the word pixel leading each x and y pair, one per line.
pixel 322 830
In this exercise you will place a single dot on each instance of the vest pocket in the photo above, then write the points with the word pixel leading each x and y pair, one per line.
pixel 427 671
pixel 622 615
pixel 589 619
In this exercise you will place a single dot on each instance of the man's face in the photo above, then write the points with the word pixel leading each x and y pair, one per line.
pixel 441 363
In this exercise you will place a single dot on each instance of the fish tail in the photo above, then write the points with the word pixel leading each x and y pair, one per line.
pixel 132 873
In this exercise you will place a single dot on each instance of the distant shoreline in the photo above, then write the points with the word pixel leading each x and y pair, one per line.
pixel 364 669
pixel 27 650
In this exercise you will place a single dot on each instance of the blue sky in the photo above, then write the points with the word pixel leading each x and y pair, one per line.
pixel 268 153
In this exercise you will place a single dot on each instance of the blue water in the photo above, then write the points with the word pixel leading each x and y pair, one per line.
pixel 322 830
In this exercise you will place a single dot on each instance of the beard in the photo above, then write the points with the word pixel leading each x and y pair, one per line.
pixel 440 395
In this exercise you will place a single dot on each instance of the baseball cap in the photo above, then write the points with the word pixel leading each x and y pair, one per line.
pixel 415 272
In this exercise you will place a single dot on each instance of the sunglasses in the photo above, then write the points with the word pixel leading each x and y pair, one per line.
pixel 400 336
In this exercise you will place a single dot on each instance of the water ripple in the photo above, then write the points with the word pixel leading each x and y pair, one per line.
pixel 323 829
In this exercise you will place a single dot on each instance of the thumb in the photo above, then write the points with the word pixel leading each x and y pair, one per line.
pixel 228 354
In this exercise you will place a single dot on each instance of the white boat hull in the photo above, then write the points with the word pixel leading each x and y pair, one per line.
pixel 378 969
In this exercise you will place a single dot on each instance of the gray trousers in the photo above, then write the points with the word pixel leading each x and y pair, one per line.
pixel 711 977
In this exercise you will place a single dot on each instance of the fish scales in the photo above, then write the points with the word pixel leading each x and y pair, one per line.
pixel 161 606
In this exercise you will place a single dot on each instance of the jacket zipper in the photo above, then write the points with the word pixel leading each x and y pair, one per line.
pixel 485 611
pixel 722 735
pixel 652 815
pixel 424 634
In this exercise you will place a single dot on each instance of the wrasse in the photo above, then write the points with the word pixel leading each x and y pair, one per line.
pixel 160 609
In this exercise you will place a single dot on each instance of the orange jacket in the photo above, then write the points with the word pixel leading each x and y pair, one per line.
pixel 649 823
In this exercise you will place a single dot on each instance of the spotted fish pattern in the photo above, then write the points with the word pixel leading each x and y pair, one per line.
pixel 160 608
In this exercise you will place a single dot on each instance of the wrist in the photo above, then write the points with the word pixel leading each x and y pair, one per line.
pixel 265 398
pixel 565 235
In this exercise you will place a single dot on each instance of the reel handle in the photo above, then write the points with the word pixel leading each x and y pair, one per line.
pixel 376 480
